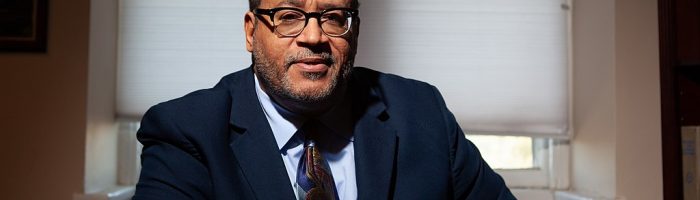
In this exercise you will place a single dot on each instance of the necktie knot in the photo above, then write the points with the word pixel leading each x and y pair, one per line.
pixel 314 175
pixel 310 130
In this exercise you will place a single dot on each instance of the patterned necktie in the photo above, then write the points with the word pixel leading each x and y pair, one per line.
pixel 314 175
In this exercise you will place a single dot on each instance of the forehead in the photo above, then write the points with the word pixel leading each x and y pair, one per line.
pixel 321 4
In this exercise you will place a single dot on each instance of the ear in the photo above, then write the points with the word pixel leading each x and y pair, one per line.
pixel 249 28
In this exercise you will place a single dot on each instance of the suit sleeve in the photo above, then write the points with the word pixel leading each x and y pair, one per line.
pixel 171 166
pixel 472 178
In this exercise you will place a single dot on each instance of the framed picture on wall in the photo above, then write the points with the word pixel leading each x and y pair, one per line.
pixel 23 25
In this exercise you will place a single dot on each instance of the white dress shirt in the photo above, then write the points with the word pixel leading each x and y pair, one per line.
pixel 284 125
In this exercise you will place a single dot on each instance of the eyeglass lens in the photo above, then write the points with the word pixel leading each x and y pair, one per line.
pixel 292 22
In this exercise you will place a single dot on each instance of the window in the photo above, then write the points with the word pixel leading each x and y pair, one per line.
pixel 526 162
pixel 164 45
pixel 502 66
pixel 508 152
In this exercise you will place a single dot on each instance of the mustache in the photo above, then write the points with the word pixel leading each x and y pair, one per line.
pixel 326 57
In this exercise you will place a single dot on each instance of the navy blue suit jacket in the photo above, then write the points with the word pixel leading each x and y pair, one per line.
pixel 217 144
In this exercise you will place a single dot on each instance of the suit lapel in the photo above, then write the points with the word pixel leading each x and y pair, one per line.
pixel 253 143
pixel 375 144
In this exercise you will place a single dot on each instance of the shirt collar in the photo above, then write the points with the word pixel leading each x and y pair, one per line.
pixel 283 127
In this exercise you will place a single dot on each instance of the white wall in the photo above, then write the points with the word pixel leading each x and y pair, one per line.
pixel 101 130
pixel 593 148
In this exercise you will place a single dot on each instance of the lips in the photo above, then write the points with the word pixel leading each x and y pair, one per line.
pixel 311 65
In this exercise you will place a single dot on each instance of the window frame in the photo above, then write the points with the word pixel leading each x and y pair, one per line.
pixel 551 172
pixel 552 155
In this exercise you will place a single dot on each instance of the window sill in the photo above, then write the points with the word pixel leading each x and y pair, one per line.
pixel 544 194
pixel 126 192
pixel 115 193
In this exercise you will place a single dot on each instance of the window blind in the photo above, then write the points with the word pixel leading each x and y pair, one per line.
pixel 502 65
pixel 168 48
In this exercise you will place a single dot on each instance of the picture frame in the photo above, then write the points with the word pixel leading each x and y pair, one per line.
pixel 23 25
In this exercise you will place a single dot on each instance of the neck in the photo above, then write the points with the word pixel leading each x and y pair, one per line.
pixel 310 109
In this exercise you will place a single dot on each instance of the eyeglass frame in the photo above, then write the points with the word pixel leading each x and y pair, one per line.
pixel 307 15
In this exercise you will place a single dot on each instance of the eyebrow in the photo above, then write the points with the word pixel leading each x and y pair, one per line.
pixel 324 6
pixel 295 3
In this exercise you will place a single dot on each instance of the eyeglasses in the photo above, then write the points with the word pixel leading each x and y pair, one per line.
pixel 290 22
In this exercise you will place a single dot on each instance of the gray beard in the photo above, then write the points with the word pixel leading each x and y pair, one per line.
pixel 278 83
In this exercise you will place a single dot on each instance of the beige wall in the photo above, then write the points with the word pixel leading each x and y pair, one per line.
pixel 593 148
pixel 617 149
pixel 43 110
pixel 639 174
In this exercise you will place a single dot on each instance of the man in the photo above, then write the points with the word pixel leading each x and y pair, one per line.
pixel 303 123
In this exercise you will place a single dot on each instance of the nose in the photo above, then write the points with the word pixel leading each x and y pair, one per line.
pixel 312 34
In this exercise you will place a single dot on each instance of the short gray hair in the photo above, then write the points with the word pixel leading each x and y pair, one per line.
pixel 253 4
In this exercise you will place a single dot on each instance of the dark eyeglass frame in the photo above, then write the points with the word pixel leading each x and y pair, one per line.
pixel 307 15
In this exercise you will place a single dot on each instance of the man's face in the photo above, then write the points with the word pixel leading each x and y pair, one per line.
pixel 309 68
